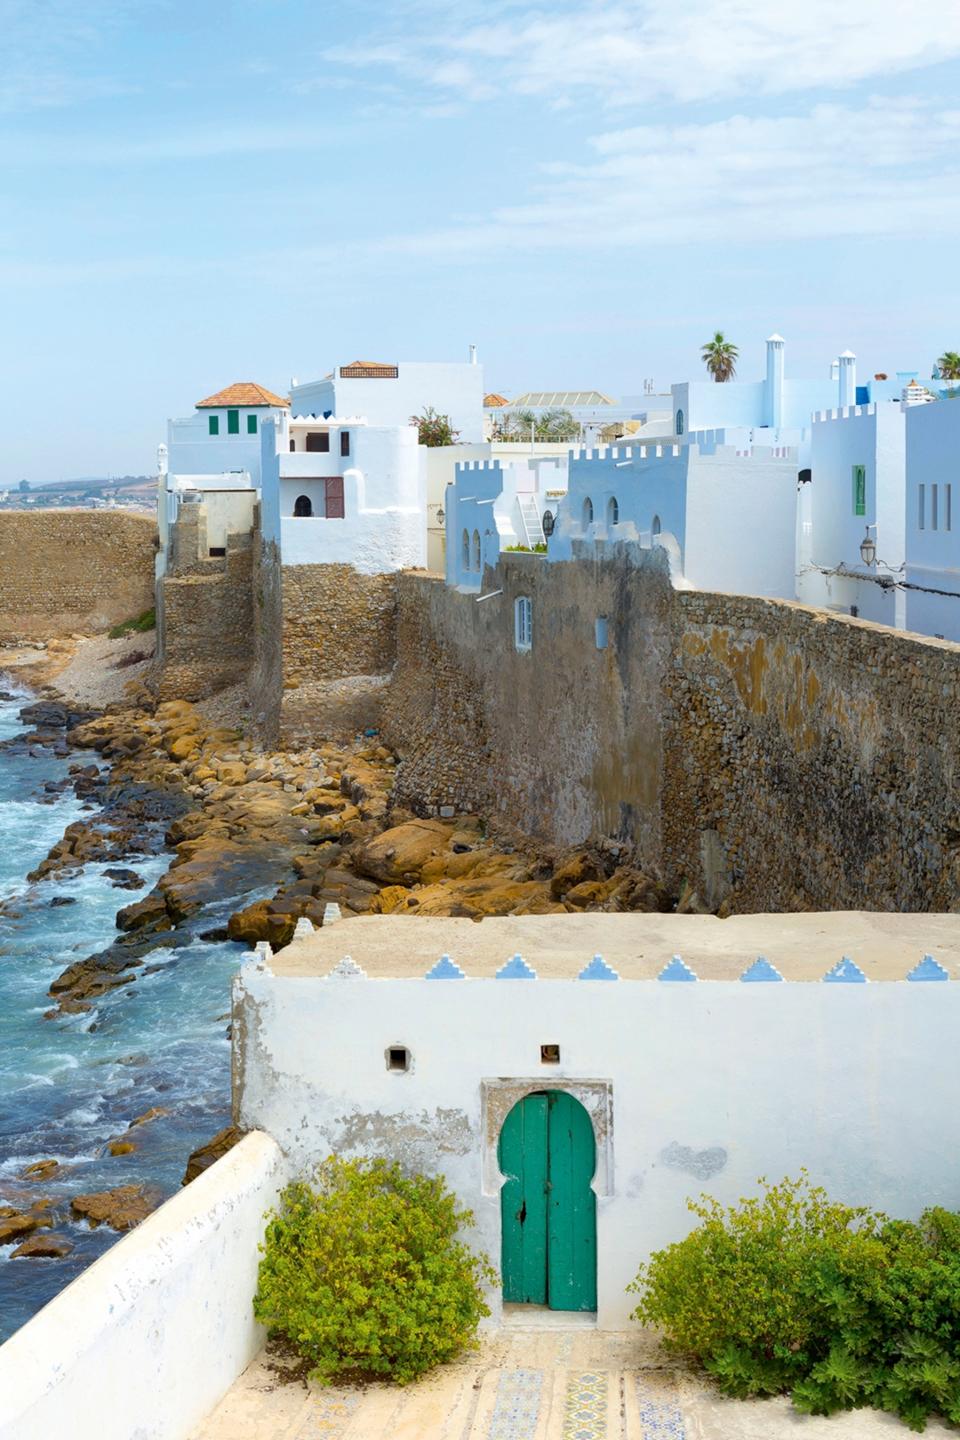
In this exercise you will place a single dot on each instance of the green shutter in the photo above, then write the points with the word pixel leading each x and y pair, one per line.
pixel 859 490
pixel 213 424
pixel 251 424
pixel 233 422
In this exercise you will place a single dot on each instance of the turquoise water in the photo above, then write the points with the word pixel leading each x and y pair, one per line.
pixel 68 1086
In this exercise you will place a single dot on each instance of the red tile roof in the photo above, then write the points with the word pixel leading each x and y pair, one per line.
pixel 246 394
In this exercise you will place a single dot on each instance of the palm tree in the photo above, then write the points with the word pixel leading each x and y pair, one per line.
pixel 949 365
pixel 720 357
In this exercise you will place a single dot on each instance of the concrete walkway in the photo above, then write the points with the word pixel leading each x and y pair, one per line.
pixel 529 1385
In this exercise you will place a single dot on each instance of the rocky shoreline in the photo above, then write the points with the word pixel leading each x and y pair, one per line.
pixel 284 835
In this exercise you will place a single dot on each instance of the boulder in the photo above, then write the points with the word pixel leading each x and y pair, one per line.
pixel 16 1226
pixel 48 713
pixel 41 1170
pixel 123 879
pixel 48 1246
pixel 151 910
pixel 575 871
pixel 205 1155
pixel 397 856
pixel 121 1208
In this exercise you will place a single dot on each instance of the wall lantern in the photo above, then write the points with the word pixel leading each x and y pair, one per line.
pixel 441 515
pixel 868 547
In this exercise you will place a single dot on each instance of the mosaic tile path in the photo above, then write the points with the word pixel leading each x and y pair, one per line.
pixel 526 1384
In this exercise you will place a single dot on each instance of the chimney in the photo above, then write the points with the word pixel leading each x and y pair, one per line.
pixel 161 459
pixel 774 387
pixel 473 354
pixel 847 384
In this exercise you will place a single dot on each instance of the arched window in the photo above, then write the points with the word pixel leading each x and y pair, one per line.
pixel 465 549
pixel 613 511
pixel 680 422
pixel 293 443
pixel 655 525
pixel 587 512
pixel 303 505
pixel 476 549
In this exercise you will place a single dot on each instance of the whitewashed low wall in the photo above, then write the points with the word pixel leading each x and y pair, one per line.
pixel 143 1344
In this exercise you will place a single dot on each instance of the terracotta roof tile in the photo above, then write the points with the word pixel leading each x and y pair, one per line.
pixel 245 393
pixel 491 400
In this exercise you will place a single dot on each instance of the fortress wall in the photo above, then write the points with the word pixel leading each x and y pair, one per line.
pixel 67 570
pixel 208 625
pixel 770 755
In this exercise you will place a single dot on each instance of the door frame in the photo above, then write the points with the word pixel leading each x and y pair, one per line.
pixel 497 1099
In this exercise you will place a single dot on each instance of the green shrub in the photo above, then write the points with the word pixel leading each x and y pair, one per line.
pixel 837 1305
pixel 364 1274
pixel 140 623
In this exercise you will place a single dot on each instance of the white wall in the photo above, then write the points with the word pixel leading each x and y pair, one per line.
pixel 872 436
pixel 741 523
pixel 143 1344
pixel 485 500
pixel 712 1085
pixel 452 389
pixel 933 554
pixel 192 450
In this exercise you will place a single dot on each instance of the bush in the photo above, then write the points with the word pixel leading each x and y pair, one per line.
pixel 363 1272
pixel 837 1305
pixel 139 624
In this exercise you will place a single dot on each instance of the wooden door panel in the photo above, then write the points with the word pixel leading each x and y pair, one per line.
pixel 572 1208
pixel 522 1156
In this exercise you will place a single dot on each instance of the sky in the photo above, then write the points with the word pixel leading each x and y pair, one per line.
pixel 197 193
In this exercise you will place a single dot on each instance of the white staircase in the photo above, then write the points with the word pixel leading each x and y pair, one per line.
pixel 531 525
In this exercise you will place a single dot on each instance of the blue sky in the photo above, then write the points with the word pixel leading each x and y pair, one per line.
pixel 192 194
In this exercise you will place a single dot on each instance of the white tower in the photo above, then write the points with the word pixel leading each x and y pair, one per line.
pixel 848 379
pixel 774 387
pixel 161 460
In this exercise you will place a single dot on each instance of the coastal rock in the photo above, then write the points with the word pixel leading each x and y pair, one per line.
pixel 398 855
pixel 121 1147
pixel 205 1155
pixel 124 879
pixel 45 713
pixel 41 1170
pixel 573 872
pixel 49 1246
pixel 150 911
pixel 121 1208
pixel 16 1226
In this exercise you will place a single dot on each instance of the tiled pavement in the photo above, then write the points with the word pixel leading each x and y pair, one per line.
pixel 528 1385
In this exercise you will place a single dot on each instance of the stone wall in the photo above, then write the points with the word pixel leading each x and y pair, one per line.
pixel 206 605
pixel 338 647
pixel 769 755
pixel 67 570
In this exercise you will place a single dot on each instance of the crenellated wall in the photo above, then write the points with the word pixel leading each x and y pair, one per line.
pixel 771 755
pixel 66 570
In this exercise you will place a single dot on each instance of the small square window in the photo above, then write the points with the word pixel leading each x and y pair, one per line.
pixel 251 424
pixel 233 422
pixel 549 1054
pixel 213 424
pixel 398 1059
pixel 523 623
pixel 600 632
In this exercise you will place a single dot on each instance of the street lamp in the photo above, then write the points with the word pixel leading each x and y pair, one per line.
pixel 868 547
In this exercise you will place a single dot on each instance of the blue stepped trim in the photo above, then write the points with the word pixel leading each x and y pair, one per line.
pixel 516 969
pixel 598 969
pixel 845 972
pixel 445 969
pixel 676 970
pixel 928 969
pixel 760 970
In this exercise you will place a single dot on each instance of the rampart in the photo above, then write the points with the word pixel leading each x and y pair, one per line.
pixel 67 570
pixel 770 755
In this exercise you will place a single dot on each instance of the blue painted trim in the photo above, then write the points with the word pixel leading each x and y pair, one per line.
pixel 928 969
pixel 445 969
pixel 845 972
pixel 760 970
pixel 676 970
pixel 516 969
pixel 598 969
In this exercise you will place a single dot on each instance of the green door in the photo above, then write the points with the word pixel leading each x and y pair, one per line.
pixel 547 1208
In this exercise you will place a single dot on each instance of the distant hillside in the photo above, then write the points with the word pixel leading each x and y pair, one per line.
pixel 112 483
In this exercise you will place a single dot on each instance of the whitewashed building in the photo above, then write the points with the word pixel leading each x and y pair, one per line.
pixel 727 517
pixel 223 434
pixel 389 394
pixel 499 504
pixel 337 490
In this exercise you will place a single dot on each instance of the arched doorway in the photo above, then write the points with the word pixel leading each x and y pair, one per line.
pixel 548 1210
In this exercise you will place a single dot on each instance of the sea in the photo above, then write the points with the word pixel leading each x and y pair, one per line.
pixel 70 1085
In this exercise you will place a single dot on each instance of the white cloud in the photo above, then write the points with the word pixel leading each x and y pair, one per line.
pixel 638 51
